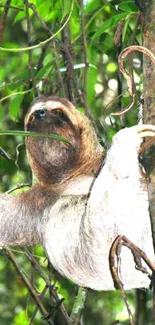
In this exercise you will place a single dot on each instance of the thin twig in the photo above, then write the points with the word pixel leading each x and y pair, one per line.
pixel 24 49
pixel 36 308
pixel 3 19
pixel 36 265
pixel 114 272
pixel 118 33
pixel 87 111
pixel 18 187
pixel 68 61
pixel 46 28
pixel 127 109
pixel 138 254
pixel 85 60
pixel 32 82
pixel 79 305
pixel 27 282
pixel 51 287
pixel 126 75
pixel 11 7
pixel 112 101
pixel 131 56
pixel 5 154
pixel 118 42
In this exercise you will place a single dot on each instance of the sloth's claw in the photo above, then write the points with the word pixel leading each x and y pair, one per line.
pixel 146 130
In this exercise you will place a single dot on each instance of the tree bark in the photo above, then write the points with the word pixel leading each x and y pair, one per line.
pixel 149 101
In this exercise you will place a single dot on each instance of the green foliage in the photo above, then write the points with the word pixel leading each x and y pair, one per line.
pixel 65 67
pixel 35 134
pixel 111 22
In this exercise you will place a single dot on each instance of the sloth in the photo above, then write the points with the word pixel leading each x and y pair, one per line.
pixel 79 204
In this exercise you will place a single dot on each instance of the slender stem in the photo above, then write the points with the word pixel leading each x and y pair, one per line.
pixel 32 82
pixel 46 28
pixel 79 305
pixel 27 282
pixel 85 60
pixel 3 19
pixel 17 50
pixel 48 284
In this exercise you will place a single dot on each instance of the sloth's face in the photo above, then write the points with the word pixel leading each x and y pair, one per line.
pixel 51 159
pixel 52 116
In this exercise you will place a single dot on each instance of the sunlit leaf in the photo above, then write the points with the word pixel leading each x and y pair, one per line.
pixel 35 134
pixel 14 106
pixel 108 24
pixel 66 8
pixel 128 6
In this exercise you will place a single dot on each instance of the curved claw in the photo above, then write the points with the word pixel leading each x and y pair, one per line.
pixel 146 130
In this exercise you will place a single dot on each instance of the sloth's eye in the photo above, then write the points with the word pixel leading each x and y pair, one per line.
pixel 40 113
pixel 61 115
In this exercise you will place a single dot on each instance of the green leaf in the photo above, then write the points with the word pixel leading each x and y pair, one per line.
pixel 19 16
pixel 91 6
pixel 108 42
pixel 43 71
pixel 125 28
pixel 92 78
pixel 128 6
pixel 1 112
pixel 66 8
pixel 108 24
pixel 35 135
pixel 20 79
pixel 15 106
pixel 44 10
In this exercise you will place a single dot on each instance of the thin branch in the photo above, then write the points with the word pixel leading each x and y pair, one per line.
pixel 89 22
pixel 36 308
pixel 48 284
pixel 127 109
pixel 118 42
pixel 125 73
pixel 124 54
pixel 85 60
pixel 31 82
pixel 138 20
pixel 27 282
pixel 79 305
pixel 41 58
pixel 138 255
pixel 36 265
pixel 118 33
pixel 18 187
pixel 24 49
pixel 46 28
pixel 5 154
pixel 35 134
pixel 11 7
pixel 67 55
pixel 86 70
pixel 15 94
pixel 114 272
pixel 3 19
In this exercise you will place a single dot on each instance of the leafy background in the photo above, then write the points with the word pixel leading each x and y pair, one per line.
pixel 81 64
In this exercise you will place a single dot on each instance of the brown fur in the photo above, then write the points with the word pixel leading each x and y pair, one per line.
pixel 55 162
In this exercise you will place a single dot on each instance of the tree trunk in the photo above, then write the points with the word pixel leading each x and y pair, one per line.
pixel 149 100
